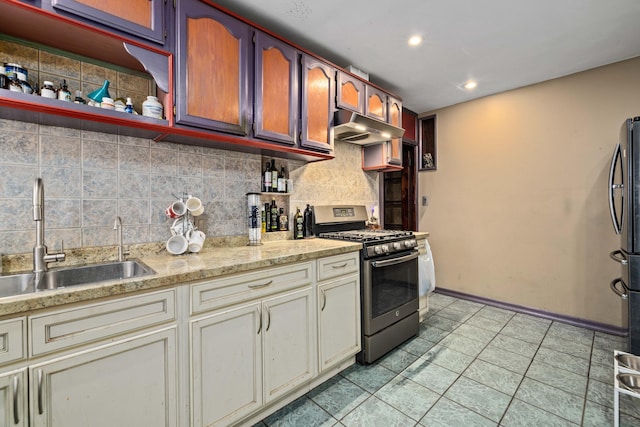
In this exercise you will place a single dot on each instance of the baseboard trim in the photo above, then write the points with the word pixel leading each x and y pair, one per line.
pixel 601 327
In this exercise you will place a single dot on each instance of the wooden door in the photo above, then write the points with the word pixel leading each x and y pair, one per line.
pixel 317 104
pixel 276 90
pixel 212 76
pixel 399 191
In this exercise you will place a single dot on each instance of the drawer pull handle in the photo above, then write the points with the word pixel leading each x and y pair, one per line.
pixel 324 300
pixel 339 266
pixel 259 321
pixel 16 388
pixel 266 309
pixel 40 408
pixel 263 285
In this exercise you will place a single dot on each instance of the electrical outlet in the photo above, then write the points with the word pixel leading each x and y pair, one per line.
pixel 425 201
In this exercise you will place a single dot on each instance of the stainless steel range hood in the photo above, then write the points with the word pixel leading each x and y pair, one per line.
pixel 358 129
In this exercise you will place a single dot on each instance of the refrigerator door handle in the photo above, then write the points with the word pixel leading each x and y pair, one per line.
pixel 612 187
pixel 618 256
pixel 624 293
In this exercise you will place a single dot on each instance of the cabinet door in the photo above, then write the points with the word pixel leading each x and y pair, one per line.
pixel 350 93
pixel 130 383
pixel 289 342
pixel 338 320
pixel 13 399
pixel 376 103
pixel 276 90
pixel 142 18
pixel 318 89
pixel 226 361
pixel 394 147
pixel 213 69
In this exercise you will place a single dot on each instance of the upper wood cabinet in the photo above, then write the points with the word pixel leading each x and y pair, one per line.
pixel 141 18
pixel 410 126
pixel 317 104
pixel 213 54
pixel 376 103
pixel 277 92
pixel 395 118
pixel 350 93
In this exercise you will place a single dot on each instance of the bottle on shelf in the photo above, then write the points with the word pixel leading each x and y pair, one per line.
pixel 283 220
pixel 263 217
pixel 47 90
pixel 267 208
pixel 152 107
pixel 274 215
pixel 308 222
pixel 79 99
pixel 128 108
pixel 63 93
pixel 282 182
pixel 266 182
pixel 298 222
pixel 274 177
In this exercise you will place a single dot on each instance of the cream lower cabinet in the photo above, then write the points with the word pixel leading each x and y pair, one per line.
pixel 13 399
pixel 245 357
pixel 338 320
pixel 338 309
pixel 131 383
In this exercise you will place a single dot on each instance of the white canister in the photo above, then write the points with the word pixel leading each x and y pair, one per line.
pixel 254 218
pixel 47 90
pixel 152 108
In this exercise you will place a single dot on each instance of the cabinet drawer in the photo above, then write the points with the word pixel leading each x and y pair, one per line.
pixel 13 343
pixel 338 265
pixel 248 286
pixel 68 328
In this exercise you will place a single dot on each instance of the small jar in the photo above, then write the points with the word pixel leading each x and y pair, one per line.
pixel 107 103
pixel 47 90
pixel 152 108
pixel 26 87
pixel 14 85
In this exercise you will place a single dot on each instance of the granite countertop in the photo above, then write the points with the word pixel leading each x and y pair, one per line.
pixel 171 270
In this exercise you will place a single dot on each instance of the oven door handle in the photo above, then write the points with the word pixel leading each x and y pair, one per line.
pixel 394 261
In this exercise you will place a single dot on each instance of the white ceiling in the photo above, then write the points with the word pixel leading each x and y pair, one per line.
pixel 502 44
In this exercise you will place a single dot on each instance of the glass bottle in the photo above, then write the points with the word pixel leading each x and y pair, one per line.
pixel 283 220
pixel 274 177
pixel 266 182
pixel 298 222
pixel 63 93
pixel 274 215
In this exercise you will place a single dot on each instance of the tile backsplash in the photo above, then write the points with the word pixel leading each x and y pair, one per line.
pixel 90 178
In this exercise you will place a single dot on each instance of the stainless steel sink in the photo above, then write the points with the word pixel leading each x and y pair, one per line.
pixel 16 284
pixel 21 283
pixel 93 273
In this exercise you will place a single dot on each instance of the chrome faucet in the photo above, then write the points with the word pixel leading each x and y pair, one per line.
pixel 40 255
pixel 118 227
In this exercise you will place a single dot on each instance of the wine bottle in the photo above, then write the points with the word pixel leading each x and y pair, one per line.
pixel 267 209
pixel 308 222
pixel 282 182
pixel 274 177
pixel 274 215
pixel 266 184
pixel 283 220
pixel 298 221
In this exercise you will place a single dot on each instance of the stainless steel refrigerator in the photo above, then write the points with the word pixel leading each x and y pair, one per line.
pixel 624 203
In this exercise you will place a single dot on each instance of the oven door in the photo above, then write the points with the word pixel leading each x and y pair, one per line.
pixel 389 290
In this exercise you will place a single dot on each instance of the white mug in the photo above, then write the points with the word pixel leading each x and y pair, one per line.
pixel 194 205
pixel 196 240
pixel 177 244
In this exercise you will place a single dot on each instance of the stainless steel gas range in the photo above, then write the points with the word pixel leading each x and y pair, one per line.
pixel 388 277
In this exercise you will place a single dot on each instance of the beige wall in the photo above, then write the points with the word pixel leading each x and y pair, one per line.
pixel 518 206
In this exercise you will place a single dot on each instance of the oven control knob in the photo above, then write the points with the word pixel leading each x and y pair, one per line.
pixel 409 243
pixel 397 246
pixel 377 250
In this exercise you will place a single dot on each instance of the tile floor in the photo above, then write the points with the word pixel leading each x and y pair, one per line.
pixel 475 365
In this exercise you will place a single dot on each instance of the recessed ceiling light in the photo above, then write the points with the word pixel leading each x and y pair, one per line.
pixel 415 40
pixel 470 85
